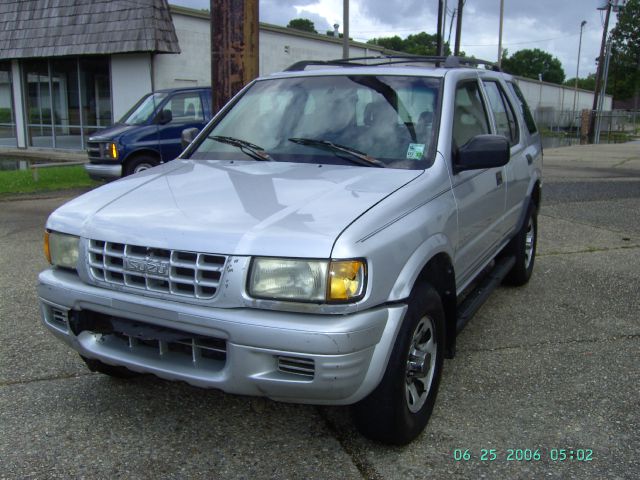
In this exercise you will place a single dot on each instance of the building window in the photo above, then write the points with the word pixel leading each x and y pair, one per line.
pixel 7 118
pixel 68 99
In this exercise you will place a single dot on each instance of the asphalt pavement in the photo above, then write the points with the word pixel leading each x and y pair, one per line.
pixel 542 372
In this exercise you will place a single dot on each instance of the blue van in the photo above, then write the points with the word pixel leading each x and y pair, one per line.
pixel 149 133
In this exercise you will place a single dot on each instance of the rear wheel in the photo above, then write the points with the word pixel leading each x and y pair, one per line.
pixel 140 163
pixel 523 247
pixel 398 410
pixel 111 370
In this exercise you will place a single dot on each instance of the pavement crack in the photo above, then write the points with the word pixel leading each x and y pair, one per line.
pixel 9 383
pixel 586 224
pixel 359 459
pixel 589 250
pixel 623 162
pixel 615 338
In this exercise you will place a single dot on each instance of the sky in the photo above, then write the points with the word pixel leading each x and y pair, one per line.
pixel 550 25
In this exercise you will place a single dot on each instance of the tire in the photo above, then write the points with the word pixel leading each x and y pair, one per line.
pixel 139 164
pixel 111 370
pixel 523 247
pixel 398 410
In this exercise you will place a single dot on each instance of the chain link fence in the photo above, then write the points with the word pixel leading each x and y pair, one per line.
pixel 566 127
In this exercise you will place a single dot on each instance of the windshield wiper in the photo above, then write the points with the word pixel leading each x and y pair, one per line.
pixel 254 151
pixel 355 156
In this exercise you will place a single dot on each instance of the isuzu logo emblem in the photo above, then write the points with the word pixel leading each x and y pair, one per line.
pixel 146 266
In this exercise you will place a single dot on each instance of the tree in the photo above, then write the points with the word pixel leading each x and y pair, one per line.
pixel 530 63
pixel 421 43
pixel 588 83
pixel 624 71
pixel 302 24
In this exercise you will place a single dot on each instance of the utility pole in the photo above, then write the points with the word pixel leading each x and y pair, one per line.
pixel 458 27
pixel 345 29
pixel 500 34
pixel 453 16
pixel 603 91
pixel 575 91
pixel 439 29
pixel 596 91
pixel 234 48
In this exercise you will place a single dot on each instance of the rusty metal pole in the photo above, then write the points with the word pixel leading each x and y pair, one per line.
pixel 345 29
pixel 234 48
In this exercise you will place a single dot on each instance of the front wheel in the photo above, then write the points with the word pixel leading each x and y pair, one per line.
pixel 398 410
pixel 140 163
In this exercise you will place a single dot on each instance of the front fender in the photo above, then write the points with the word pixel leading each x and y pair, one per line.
pixel 414 266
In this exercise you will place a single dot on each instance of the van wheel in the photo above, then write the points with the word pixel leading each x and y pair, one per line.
pixel 140 163
pixel 111 370
pixel 398 410
pixel 523 247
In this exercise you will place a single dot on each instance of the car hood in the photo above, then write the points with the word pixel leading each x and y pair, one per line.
pixel 241 208
pixel 111 132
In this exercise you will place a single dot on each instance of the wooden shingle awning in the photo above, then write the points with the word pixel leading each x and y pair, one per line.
pixel 54 28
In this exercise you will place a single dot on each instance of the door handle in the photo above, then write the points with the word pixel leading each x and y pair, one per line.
pixel 529 159
pixel 499 178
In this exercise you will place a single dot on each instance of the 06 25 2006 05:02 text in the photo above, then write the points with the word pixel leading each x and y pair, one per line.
pixel 524 454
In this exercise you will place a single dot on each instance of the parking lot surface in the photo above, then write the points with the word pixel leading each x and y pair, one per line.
pixel 544 371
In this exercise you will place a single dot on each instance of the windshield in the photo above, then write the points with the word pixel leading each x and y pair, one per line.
pixel 142 110
pixel 364 119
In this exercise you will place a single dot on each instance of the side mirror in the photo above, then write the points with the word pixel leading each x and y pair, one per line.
pixel 164 117
pixel 188 135
pixel 482 151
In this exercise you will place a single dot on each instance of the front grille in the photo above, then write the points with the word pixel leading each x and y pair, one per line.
pixel 175 272
pixel 94 150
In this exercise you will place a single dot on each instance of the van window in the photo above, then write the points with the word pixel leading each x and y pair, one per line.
pixel 185 108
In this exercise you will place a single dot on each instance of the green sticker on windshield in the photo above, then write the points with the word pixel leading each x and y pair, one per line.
pixel 415 151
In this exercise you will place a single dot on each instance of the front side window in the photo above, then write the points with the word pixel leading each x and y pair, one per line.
pixel 470 115
pixel 503 114
pixel 372 120
pixel 185 108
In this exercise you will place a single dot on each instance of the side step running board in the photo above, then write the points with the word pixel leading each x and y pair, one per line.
pixel 468 308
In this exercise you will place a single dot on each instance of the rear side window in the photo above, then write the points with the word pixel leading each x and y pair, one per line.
pixel 524 108
pixel 503 113
pixel 470 115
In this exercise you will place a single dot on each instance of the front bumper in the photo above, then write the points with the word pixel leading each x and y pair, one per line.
pixel 344 356
pixel 103 171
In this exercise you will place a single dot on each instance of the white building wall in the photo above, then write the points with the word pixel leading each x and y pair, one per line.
pixel 192 67
pixel 279 50
pixel 131 78
pixel 549 95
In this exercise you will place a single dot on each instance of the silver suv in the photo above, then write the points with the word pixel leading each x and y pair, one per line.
pixel 321 241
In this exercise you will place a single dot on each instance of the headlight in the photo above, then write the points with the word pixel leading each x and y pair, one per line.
pixel 307 280
pixel 61 249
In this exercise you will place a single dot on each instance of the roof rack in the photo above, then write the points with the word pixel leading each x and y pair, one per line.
pixel 447 62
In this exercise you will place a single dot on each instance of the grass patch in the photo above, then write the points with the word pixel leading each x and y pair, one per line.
pixel 49 179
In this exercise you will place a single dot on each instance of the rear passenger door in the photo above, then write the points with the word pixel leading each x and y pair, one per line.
pixel 480 194
pixel 516 177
